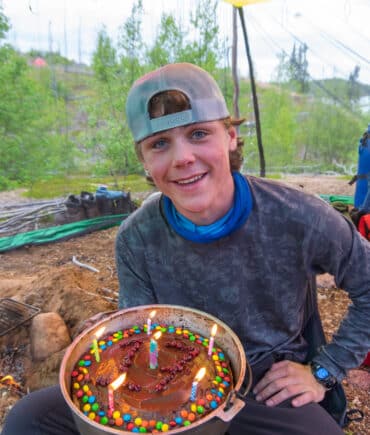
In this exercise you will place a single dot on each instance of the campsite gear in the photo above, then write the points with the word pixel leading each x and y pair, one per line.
pixel 215 422
pixel 344 199
pixel 75 210
pixel 342 207
pixel 355 215
pixel 88 201
pixel 364 226
pixel 362 178
pixel 111 202
pixel 367 360
pixel 14 314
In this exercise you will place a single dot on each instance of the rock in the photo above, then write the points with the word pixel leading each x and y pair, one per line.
pixel 49 334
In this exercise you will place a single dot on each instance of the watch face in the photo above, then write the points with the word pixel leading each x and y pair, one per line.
pixel 322 373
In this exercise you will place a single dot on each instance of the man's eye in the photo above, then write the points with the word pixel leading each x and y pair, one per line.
pixel 158 144
pixel 198 134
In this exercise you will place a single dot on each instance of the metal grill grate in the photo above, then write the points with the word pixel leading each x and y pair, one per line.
pixel 14 314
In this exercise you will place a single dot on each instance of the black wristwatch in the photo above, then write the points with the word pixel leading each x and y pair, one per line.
pixel 323 376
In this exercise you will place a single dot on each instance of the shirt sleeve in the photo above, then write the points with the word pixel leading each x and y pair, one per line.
pixel 339 249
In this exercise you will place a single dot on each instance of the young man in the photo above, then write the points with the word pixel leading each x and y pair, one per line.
pixel 244 249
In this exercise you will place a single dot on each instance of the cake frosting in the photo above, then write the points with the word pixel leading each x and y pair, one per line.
pixel 151 399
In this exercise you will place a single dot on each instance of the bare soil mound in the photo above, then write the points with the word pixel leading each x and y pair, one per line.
pixel 44 276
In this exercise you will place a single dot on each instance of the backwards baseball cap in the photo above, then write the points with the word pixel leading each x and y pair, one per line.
pixel 206 100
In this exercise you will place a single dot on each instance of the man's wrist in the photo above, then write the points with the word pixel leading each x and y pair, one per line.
pixel 322 375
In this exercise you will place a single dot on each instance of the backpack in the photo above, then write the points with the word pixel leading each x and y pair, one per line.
pixel 363 170
pixel 364 226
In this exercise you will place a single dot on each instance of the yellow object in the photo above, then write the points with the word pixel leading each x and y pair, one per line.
pixel 138 421
pixel 241 3
pixel 116 414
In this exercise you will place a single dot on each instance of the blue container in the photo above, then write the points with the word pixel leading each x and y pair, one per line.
pixel 363 169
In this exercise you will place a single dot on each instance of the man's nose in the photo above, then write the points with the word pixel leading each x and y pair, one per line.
pixel 182 153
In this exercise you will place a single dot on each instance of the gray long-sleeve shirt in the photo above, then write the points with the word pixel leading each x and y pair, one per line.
pixel 256 279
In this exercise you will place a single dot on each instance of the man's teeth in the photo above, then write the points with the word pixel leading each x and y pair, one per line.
pixel 190 180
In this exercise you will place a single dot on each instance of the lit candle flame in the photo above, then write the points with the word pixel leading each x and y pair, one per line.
pixel 200 375
pixel 214 330
pixel 157 335
pixel 149 321
pixel 99 332
pixel 118 382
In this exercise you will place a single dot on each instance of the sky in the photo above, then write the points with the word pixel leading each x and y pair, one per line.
pixel 336 32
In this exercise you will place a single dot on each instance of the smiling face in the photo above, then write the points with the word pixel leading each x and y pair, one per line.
pixel 191 166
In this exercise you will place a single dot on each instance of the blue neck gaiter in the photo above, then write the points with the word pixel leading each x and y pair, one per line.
pixel 230 222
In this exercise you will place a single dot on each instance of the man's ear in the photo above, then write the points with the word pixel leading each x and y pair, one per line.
pixel 233 138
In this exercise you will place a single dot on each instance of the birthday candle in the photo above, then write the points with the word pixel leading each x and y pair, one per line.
pixel 112 387
pixel 194 385
pixel 149 321
pixel 95 346
pixel 212 339
pixel 153 350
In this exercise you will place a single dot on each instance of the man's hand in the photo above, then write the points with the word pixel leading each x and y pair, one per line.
pixel 287 379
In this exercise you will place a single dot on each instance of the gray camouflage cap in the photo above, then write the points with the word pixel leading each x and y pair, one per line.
pixel 206 100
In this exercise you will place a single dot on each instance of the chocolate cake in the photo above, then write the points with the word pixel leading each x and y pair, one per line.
pixel 151 399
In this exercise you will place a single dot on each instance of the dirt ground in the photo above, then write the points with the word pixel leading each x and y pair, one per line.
pixel 45 276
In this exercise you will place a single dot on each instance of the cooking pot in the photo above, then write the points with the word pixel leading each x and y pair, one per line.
pixel 217 421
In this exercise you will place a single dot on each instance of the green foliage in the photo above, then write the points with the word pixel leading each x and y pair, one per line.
pixel 131 44
pixel 104 62
pixel 331 135
pixel 62 186
pixel 168 43
pixel 279 126
pixel 293 69
pixel 204 50
pixel 4 24
pixel 29 122
pixel 353 85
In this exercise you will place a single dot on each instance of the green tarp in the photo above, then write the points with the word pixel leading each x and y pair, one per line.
pixel 60 232
pixel 53 234
pixel 345 199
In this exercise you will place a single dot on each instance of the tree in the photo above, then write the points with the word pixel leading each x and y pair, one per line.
pixel 107 137
pixel 32 145
pixel 204 51
pixel 168 44
pixel 30 124
pixel 131 43
pixel 4 24
pixel 293 69
pixel 331 134
pixel 353 85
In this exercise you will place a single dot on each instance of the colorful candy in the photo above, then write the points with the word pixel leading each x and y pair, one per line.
pixel 128 418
